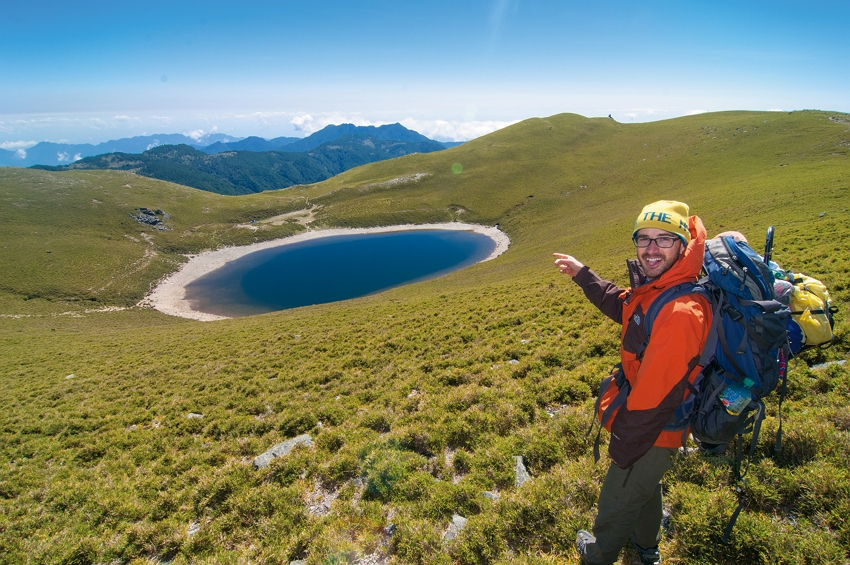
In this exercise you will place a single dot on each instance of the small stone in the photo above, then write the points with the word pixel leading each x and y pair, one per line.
pixel 513 362
pixel 194 416
pixel 520 471
pixel 829 363
pixel 193 529
pixel 389 529
pixel 71 376
pixel 457 525
pixel 413 393
pixel 491 495
pixel 262 461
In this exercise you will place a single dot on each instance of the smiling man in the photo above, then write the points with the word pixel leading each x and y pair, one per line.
pixel 652 378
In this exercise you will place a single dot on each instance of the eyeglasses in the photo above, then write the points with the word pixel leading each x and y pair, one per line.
pixel 664 241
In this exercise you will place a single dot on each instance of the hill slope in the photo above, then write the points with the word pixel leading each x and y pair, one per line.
pixel 417 399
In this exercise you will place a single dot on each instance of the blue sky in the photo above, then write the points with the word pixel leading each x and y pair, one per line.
pixel 89 71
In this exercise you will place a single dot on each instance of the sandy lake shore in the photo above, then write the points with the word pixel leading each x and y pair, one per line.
pixel 169 296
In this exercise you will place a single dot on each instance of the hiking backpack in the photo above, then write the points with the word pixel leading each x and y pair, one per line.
pixel 747 345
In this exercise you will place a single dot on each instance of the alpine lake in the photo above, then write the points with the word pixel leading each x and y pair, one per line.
pixel 333 268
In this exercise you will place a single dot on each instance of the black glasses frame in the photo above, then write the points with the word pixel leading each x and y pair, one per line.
pixel 672 238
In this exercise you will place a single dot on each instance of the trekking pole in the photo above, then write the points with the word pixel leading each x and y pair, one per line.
pixel 768 246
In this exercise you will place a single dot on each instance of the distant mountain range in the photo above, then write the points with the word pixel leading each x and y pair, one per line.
pixel 47 153
pixel 232 168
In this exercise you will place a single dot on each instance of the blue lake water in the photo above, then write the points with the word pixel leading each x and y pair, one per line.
pixel 333 268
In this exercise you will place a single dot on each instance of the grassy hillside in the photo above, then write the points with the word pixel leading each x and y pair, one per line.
pixel 417 399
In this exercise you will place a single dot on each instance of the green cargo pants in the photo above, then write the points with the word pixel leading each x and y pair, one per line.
pixel 629 507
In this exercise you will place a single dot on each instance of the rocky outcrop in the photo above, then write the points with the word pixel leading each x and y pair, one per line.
pixel 155 218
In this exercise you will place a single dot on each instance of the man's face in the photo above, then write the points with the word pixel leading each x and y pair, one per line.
pixel 656 260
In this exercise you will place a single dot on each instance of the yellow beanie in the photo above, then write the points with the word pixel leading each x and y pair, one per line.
pixel 667 215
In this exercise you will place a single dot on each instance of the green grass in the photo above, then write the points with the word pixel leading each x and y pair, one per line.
pixel 420 408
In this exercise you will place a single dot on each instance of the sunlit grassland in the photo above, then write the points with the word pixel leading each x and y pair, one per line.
pixel 410 395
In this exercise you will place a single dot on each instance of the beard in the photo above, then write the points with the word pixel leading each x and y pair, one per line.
pixel 656 263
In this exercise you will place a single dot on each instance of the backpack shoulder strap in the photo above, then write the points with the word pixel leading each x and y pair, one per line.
pixel 668 295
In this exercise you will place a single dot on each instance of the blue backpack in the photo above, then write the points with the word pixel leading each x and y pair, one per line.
pixel 745 354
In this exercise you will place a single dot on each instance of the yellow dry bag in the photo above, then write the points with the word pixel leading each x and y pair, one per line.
pixel 811 309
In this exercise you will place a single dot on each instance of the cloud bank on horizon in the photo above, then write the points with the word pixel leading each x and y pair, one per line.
pixel 451 71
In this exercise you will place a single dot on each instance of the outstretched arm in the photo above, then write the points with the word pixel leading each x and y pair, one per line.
pixel 603 294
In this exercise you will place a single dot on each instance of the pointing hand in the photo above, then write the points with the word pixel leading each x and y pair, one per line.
pixel 567 264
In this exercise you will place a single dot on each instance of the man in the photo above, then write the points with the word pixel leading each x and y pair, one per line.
pixel 670 247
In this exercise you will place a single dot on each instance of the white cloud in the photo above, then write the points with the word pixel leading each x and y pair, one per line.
pixel 776 110
pixel 443 130
pixel 9 145
pixel 308 124
pixel 299 122
pixel 200 134
pixel 155 143
pixel 77 157
pixel 20 154
pixel 695 112
pixel 62 156
pixel 197 134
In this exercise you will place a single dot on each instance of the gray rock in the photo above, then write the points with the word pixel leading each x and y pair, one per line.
pixel 149 217
pixel 281 449
pixel 491 495
pixel 520 471
pixel 829 363
pixel 193 529
pixel 457 525
pixel 195 416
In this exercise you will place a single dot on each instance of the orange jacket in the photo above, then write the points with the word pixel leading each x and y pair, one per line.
pixel 658 380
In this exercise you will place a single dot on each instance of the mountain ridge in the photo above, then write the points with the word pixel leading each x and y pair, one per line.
pixel 59 154
pixel 244 172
